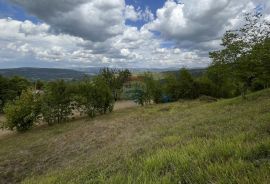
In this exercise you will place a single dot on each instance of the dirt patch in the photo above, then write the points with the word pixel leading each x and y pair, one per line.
pixel 3 133
pixel 124 105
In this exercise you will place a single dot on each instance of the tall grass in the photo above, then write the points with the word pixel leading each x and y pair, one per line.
pixel 186 142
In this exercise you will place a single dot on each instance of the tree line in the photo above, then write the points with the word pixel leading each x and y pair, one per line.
pixel 56 101
pixel 241 65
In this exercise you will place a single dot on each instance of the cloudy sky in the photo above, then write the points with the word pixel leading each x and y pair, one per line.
pixel 116 33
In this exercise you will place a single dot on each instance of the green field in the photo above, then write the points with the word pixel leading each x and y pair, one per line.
pixel 184 142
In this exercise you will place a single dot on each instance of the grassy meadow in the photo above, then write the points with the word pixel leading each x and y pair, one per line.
pixel 183 142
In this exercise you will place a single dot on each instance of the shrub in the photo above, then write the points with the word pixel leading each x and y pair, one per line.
pixel 95 97
pixel 22 113
pixel 103 98
pixel 56 102
pixel 138 94
pixel 11 88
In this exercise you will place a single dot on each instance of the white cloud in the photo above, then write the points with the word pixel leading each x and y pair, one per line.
pixel 130 13
pixel 95 20
pixel 93 32
pixel 138 14
pixel 192 22
pixel 133 48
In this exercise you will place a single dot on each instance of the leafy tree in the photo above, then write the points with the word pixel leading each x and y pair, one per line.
pixel 115 80
pixel 153 89
pixel 121 78
pixel 95 97
pixel 22 113
pixel 182 86
pixel 187 85
pixel 85 98
pixel 56 102
pixel 207 87
pixel 3 92
pixel 109 76
pixel 103 99
pixel 11 88
pixel 39 85
pixel 224 84
pixel 146 91
pixel 171 87
pixel 138 94
pixel 245 53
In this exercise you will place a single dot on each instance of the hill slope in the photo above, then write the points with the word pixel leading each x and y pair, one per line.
pixel 43 73
pixel 196 72
pixel 184 142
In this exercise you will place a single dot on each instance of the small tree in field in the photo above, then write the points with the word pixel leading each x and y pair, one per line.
pixel 85 98
pixel 138 94
pixel 153 89
pixel 115 80
pixel 102 95
pixel 56 102
pixel 95 97
pixel 11 88
pixel 22 113
pixel 187 86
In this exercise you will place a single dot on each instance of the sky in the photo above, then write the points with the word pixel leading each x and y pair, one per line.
pixel 117 33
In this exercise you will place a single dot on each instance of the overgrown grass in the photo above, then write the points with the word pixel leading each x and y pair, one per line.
pixel 185 142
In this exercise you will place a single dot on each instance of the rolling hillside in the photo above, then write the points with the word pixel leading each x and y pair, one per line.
pixel 49 74
pixel 43 73
pixel 196 72
pixel 184 142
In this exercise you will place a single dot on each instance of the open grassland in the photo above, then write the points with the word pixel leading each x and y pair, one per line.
pixel 185 142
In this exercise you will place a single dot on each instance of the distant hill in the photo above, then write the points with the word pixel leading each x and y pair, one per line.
pixel 78 73
pixel 196 72
pixel 96 70
pixel 43 73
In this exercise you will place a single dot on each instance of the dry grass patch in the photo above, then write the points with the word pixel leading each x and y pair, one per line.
pixel 184 142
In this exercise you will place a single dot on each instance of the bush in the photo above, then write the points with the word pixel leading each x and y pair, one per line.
pixel 103 98
pixel 138 94
pixel 95 97
pixel 11 88
pixel 181 86
pixel 56 102
pixel 22 113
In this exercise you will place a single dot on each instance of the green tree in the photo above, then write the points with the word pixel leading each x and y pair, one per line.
pixel 121 78
pixel 109 76
pixel 181 86
pixel 103 98
pixel 187 85
pixel 39 85
pixel 22 113
pixel 171 87
pixel 115 80
pixel 11 88
pixel 224 83
pixel 4 97
pixel 207 87
pixel 153 89
pixel 56 102
pixel 138 94
pixel 95 97
pixel 244 53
